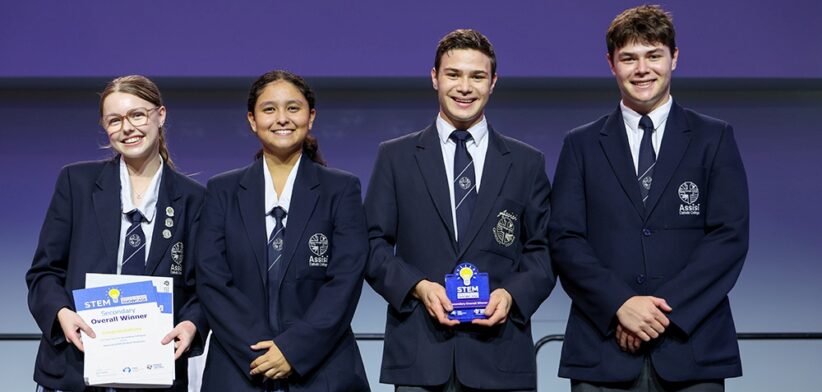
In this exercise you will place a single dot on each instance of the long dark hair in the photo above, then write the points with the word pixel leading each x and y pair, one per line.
pixel 143 88
pixel 310 145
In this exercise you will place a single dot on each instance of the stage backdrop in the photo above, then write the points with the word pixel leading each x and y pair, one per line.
pixel 750 64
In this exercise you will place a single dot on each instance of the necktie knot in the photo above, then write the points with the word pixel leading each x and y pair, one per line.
pixel 460 136
pixel 278 213
pixel 136 217
pixel 646 124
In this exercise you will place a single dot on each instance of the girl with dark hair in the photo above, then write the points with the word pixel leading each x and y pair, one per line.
pixel 132 214
pixel 283 248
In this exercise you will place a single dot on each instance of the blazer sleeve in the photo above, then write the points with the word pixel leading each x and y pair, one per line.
pixel 192 310
pixel 307 343
pixel 229 312
pixel 535 279
pixel 47 276
pixel 389 275
pixel 594 289
pixel 716 262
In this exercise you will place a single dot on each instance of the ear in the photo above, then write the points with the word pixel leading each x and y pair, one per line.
pixel 311 117
pixel 161 112
pixel 434 78
pixel 675 58
pixel 610 63
pixel 493 83
pixel 251 122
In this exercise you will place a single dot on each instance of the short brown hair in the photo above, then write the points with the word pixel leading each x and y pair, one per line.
pixel 466 39
pixel 647 24
pixel 143 88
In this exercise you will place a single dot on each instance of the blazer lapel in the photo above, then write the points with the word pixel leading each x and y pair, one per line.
pixel 614 143
pixel 494 172
pixel 107 208
pixel 432 169
pixel 167 197
pixel 674 144
pixel 251 198
pixel 303 200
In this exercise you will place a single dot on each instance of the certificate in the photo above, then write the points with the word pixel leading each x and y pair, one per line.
pixel 129 325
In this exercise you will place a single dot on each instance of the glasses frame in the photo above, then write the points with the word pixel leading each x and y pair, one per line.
pixel 126 118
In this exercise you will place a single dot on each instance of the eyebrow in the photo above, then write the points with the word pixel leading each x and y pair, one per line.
pixel 289 102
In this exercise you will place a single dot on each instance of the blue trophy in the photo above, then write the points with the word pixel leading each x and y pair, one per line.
pixel 468 291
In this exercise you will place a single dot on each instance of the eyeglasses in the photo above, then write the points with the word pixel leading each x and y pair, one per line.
pixel 136 117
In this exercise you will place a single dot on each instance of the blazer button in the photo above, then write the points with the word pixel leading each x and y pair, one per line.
pixel 646 232
pixel 640 279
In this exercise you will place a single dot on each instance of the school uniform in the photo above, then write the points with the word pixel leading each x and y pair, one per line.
pixel 307 309
pixel 83 233
pixel 412 217
pixel 685 243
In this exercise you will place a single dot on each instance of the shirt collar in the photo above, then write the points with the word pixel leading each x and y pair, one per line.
pixel 658 115
pixel 271 198
pixel 148 208
pixel 478 131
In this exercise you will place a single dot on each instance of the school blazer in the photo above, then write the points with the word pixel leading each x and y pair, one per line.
pixel 686 245
pixel 316 300
pixel 81 233
pixel 411 234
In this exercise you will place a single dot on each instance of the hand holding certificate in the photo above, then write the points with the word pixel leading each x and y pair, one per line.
pixel 130 320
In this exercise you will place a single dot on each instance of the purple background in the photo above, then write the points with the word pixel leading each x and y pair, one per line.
pixel 388 38
pixel 755 64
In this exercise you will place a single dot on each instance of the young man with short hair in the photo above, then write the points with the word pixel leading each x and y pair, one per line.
pixel 649 229
pixel 455 194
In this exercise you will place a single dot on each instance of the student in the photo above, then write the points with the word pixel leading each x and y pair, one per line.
pixel 283 251
pixel 650 229
pixel 459 191
pixel 96 207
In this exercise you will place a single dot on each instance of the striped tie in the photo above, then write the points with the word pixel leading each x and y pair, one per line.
pixel 274 252
pixel 134 247
pixel 647 158
pixel 465 185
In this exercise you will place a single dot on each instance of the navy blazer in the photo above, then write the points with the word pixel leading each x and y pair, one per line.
pixel 316 303
pixel 411 231
pixel 686 245
pixel 80 234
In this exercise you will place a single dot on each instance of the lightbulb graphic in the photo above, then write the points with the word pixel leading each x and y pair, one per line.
pixel 466 274
pixel 114 294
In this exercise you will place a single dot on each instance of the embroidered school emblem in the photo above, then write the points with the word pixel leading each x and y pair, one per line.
pixel 505 229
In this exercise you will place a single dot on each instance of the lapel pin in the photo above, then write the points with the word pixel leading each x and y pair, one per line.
pixel 169 211
pixel 169 222
pixel 166 233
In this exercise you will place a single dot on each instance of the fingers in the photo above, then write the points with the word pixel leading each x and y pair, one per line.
pixel 170 336
pixel 436 302
pixel 85 328
pixel 262 345
pixel 662 304
pixel 499 304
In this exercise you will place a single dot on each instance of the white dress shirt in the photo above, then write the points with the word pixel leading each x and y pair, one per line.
pixel 147 206
pixel 273 200
pixel 477 147
pixel 659 116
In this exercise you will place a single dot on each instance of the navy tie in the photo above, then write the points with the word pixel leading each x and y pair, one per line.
pixel 134 247
pixel 465 185
pixel 274 252
pixel 647 158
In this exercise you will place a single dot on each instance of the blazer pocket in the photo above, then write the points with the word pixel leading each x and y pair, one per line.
pixel 714 341
pixel 501 232
pixel 583 344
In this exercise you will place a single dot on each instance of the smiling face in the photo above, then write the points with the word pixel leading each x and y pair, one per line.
pixel 643 73
pixel 464 83
pixel 134 143
pixel 281 119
